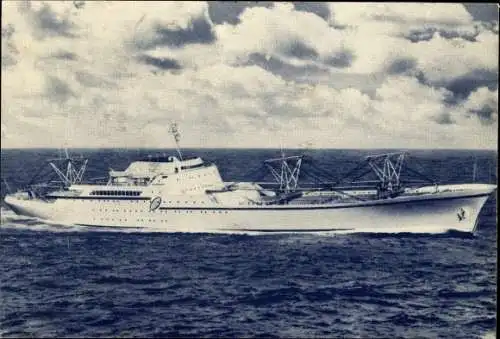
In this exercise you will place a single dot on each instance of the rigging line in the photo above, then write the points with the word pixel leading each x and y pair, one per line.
pixel 256 174
pixel 101 166
pixel 311 173
pixel 316 178
pixel 409 181
pixel 254 178
pixel 332 179
pixel 315 175
pixel 330 187
pixel 321 170
pixel 320 179
pixel 420 166
pixel 352 171
pixel 325 172
pixel 362 175
pixel 49 179
pixel 39 172
pixel 7 185
pixel 345 193
pixel 408 168
pixel 256 169
pixel 417 184
pixel 420 174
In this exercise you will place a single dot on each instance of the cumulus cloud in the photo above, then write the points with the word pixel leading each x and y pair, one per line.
pixel 48 20
pixel 401 13
pixel 181 24
pixel 483 103
pixel 248 74
pixel 9 50
pixel 280 31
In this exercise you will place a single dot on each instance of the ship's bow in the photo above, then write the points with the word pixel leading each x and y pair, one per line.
pixel 27 206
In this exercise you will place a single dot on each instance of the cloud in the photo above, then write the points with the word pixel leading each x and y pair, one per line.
pixel 64 55
pixel 300 50
pixel 401 65
pixel 459 65
pixel 483 103
pixel 456 57
pixel 281 67
pixel 341 59
pixel 58 90
pixel 45 21
pixel 161 63
pixel 402 14
pixel 198 30
pixel 319 8
pixel 229 12
pixel 9 50
pixel 279 31
pixel 427 33
pixel 91 80
pixel 248 75
pixel 463 85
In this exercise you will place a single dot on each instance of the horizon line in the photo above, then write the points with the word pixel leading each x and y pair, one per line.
pixel 256 148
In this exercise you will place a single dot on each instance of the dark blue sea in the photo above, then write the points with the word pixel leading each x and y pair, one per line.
pixel 58 281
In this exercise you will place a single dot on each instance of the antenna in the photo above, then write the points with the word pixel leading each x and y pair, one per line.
pixel 177 137
pixel 474 170
pixel 7 185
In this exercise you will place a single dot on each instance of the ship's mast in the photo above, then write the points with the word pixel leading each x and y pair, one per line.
pixel 73 175
pixel 388 168
pixel 285 173
pixel 177 138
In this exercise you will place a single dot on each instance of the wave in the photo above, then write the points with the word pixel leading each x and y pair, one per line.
pixel 489 335
pixel 10 220
pixel 444 235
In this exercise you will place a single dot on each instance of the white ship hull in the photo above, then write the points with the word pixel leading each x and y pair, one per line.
pixel 450 209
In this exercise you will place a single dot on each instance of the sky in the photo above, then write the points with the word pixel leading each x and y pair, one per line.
pixel 249 74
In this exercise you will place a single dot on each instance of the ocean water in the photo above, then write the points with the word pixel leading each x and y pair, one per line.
pixel 60 281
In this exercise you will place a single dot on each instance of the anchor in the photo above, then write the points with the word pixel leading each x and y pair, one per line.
pixel 461 214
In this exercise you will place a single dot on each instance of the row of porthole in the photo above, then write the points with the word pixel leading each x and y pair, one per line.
pixel 191 211
pixel 100 200
pixel 138 220
pixel 196 188
pixel 108 219
pixel 124 210
pixel 177 211
pixel 193 177
pixel 186 202
pixel 161 211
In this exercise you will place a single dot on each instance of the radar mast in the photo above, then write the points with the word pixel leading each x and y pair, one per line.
pixel 177 137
